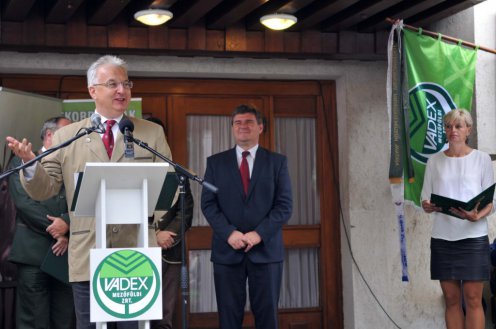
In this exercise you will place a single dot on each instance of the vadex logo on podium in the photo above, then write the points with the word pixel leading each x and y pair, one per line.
pixel 125 284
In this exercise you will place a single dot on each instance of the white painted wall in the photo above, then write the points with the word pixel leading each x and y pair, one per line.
pixel 369 215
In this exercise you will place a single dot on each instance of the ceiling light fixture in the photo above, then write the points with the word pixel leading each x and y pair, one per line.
pixel 278 21
pixel 153 16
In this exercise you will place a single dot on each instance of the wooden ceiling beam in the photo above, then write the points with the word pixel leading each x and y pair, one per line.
pixel 440 11
pixel 311 16
pixel 353 15
pixel 17 10
pixel 229 13
pixel 401 10
pixel 187 13
pixel 107 11
pixel 62 10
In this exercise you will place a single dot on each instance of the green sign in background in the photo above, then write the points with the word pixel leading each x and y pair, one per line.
pixel 79 109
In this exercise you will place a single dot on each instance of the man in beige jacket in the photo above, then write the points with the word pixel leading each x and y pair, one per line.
pixel 109 86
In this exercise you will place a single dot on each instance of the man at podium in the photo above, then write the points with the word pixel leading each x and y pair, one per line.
pixel 110 87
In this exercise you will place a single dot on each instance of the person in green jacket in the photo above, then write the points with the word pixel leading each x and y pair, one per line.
pixel 42 301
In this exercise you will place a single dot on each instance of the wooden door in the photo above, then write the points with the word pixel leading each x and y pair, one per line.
pixel 303 238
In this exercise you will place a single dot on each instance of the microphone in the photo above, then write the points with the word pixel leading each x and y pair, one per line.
pixel 96 121
pixel 126 127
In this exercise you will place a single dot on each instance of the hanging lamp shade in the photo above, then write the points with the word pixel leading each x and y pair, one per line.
pixel 153 17
pixel 278 21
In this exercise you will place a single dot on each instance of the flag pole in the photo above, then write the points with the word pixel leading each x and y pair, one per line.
pixel 444 37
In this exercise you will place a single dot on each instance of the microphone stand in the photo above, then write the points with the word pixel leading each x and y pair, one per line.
pixel 86 131
pixel 183 173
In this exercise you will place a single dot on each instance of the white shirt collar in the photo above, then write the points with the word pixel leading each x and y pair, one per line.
pixel 104 118
pixel 253 151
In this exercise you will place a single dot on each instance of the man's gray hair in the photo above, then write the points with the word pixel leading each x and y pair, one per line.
pixel 104 60
pixel 51 124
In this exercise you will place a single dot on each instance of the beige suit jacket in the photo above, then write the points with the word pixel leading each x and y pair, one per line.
pixel 60 167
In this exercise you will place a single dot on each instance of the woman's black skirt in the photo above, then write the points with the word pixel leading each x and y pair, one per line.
pixel 467 259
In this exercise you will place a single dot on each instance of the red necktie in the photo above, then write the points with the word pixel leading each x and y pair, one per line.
pixel 245 172
pixel 108 138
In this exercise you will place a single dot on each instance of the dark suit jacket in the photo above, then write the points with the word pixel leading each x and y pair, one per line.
pixel 172 221
pixel 266 208
pixel 31 241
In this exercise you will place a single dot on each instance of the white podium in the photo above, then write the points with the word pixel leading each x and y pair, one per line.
pixel 125 283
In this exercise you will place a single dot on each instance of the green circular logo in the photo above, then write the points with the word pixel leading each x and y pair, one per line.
pixel 126 284
pixel 429 102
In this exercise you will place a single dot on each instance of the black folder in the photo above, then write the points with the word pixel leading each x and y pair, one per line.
pixel 483 199
pixel 56 266
pixel 168 192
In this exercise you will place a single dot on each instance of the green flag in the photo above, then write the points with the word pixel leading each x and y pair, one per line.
pixel 440 78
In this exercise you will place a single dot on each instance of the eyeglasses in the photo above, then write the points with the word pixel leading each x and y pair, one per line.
pixel 458 126
pixel 111 84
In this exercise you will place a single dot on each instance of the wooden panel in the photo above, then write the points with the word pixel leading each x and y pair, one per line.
pixel 158 37
pixel 347 42
pixel 235 87
pixel 77 31
pixel 365 42
pixel 235 38
pixel 300 319
pixel 292 42
pixel 11 33
pixel 288 319
pixel 34 84
pixel 310 42
pixel 274 41
pixel 118 35
pixel 179 86
pixel 255 41
pixel 381 41
pixel 34 29
pixel 301 236
pixel 236 25
pixel 138 37
pixel 330 43
pixel 327 170
pixel 197 37
pixel 295 236
pixel 55 35
pixel 215 40
pixel 97 36
pixel 154 105
pixel 177 39
pixel 295 106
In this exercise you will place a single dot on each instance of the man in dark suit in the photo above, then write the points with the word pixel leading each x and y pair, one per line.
pixel 110 88
pixel 247 214
pixel 42 301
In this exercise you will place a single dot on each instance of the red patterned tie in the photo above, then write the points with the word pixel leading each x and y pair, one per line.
pixel 108 138
pixel 245 172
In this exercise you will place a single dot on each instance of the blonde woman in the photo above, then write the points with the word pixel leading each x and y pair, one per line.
pixel 459 246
